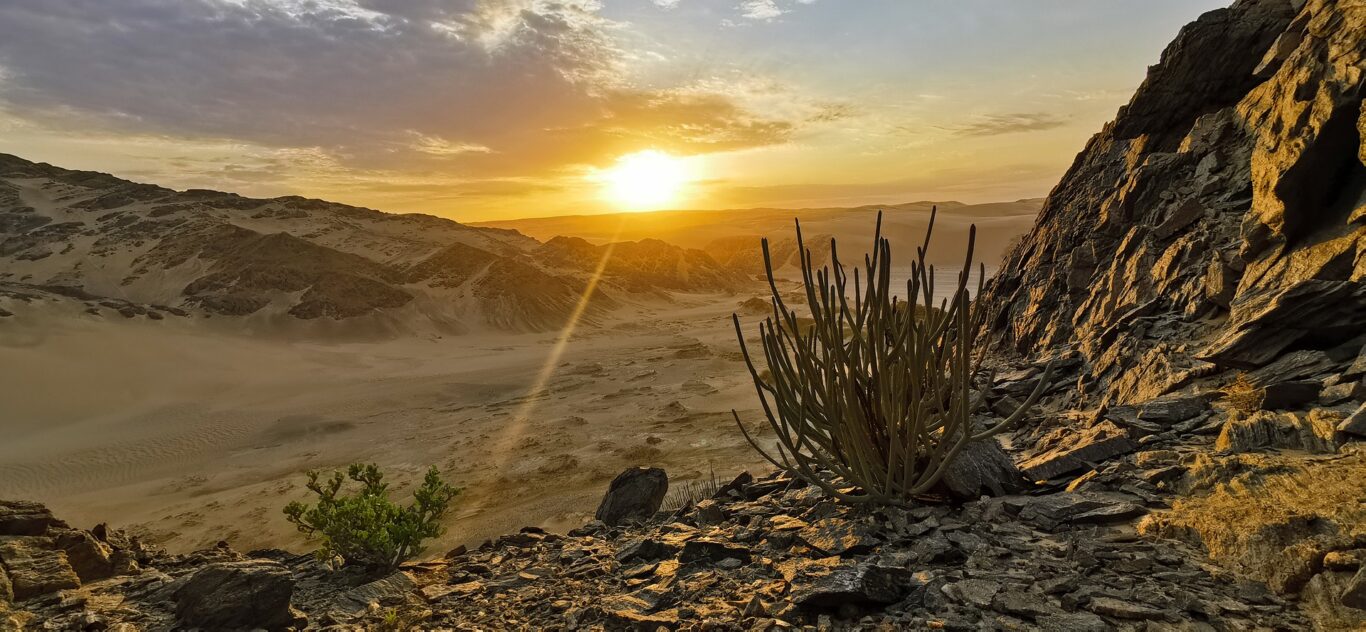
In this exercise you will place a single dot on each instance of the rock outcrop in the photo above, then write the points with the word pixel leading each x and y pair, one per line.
pixel 1202 268
pixel 1218 222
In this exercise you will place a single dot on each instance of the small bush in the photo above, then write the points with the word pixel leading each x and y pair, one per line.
pixel 366 528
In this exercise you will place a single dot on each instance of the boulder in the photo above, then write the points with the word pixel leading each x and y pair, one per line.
pixel 1078 450
pixel 385 591
pixel 982 468
pixel 35 568
pixel 90 558
pixel 1355 424
pixel 1354 596
pixel 634 495
pixel 22 517
pixel 854 583
pixel 244 595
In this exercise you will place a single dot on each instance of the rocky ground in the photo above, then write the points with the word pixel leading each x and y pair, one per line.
pixel 1169 515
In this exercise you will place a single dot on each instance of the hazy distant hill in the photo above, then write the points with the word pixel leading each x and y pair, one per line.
pixel 147 251
pixel 732 236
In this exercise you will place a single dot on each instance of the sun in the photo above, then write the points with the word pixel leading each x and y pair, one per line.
pixel 646 180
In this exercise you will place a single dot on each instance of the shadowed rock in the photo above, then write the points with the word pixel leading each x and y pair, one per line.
pixel 635 494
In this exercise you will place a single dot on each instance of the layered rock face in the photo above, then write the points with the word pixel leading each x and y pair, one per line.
pixel 1219 222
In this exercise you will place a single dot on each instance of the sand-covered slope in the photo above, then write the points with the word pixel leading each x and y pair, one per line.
pixel 140 250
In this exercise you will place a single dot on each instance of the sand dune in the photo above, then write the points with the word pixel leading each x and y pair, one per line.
pixel 180 427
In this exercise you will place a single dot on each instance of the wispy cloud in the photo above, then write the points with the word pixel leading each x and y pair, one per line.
pixel 997 124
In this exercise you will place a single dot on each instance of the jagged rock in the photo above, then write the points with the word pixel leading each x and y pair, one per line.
pixel 1124 610
pixel 35 568
pixel 978 593
pixel 1265 429
pixel 1292 366
pixel 1056 509
pixel 1172 409
pixel 1345 560
pixel 1358 366
pixel 387 590
pixel 1073 622
pixel 1354 424
pixel 634 494
pixel 1335 394
pixel 853 582
pixel 248 594
pixel 646 549
pixel 1354 596
pixel 1272 319
pixel 6 588
pixel 982 468
pixel 711 551
pixel 21 517
pixel 90 558
pixel 836 536
pixel 1074 451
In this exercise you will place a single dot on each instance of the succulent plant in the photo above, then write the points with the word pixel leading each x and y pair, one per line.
pixel 871 397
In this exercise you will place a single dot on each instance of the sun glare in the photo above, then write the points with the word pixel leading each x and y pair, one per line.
pixel 646 180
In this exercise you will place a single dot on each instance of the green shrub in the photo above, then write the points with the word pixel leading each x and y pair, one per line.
pixel 366 528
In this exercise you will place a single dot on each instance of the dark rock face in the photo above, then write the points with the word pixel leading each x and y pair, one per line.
pixel 982 468
pixel 1217 222
pixel 635 494
pixel 242 595
pixel 20 517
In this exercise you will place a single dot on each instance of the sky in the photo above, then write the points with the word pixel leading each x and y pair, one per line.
pixel 498 109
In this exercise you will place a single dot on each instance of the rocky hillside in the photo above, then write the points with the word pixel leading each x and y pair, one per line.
pixel 1200 275
pixel 1219 222
pixel 145 251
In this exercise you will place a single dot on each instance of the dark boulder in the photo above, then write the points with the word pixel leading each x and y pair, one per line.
pixel 22 517
pixel 245 595
pixel 634 495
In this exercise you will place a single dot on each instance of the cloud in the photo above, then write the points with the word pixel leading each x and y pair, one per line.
pixel 760 9
pixel 666 4
pixel 997 124
pixel 484 88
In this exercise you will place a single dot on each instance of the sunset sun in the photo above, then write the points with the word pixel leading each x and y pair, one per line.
pixel 645 180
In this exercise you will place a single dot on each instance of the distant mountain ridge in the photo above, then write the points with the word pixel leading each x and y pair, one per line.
pixel 732 236
pixel 144 250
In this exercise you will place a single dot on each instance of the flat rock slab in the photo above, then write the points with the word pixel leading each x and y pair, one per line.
pixel 836 536
pixel 854 583
pixel 1054 510
pixel 1078 451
